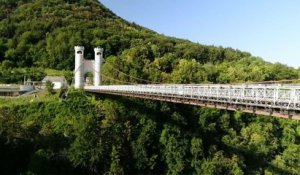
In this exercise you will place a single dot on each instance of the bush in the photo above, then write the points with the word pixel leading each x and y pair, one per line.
pixel 49 87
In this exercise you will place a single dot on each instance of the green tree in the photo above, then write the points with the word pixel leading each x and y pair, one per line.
pixel 175 149
pixel 49 87
pixel 287 162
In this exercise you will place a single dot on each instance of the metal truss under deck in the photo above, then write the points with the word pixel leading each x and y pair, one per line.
pixel 275 100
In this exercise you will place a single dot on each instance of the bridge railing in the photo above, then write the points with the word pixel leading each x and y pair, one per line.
pixel 273 96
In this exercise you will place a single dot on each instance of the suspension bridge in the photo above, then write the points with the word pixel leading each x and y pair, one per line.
pixel 278 100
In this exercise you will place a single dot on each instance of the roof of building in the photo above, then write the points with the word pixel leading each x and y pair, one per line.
pixel 54 79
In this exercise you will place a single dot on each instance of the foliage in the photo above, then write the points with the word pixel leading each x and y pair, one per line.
pixel 88 134
pixel 49 87
pixel 43 34
pixel 106 135
pixel 9 74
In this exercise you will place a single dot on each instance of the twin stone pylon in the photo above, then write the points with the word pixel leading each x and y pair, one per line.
pixel 83 66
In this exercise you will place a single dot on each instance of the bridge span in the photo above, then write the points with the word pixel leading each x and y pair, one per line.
pixel 279 100
pixel 275 100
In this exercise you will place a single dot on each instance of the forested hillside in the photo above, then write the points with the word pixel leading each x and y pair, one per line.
pixel 43 33
pixel 90 134
pixel 113 135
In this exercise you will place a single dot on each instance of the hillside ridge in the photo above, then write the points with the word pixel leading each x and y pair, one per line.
pixel 43 34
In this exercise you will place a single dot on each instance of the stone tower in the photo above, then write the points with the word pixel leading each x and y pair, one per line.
pixel 79 66
pixel 83 66
pixel 97 69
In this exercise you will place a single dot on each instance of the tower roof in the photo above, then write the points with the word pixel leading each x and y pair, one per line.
pixel 79 48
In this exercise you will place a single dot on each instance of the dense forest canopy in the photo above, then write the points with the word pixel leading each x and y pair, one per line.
pixel 114 135
pixel 90 134
pixel 43 33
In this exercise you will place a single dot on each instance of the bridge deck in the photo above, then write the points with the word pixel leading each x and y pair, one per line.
pixel 276 100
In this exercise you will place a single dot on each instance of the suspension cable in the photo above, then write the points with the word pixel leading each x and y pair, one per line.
pixel 258 82
pixel 102 75
pixel 267 82
pixel 153 82
pixel 105 76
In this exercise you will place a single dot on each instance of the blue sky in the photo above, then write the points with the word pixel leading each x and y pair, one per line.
pixel 266 28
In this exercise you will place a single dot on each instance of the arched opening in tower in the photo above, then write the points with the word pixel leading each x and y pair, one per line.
pixel 88 78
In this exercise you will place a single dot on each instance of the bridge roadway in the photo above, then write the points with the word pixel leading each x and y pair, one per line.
pixel 279 100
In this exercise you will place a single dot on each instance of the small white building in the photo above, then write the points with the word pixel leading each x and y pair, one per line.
pixel 58 81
